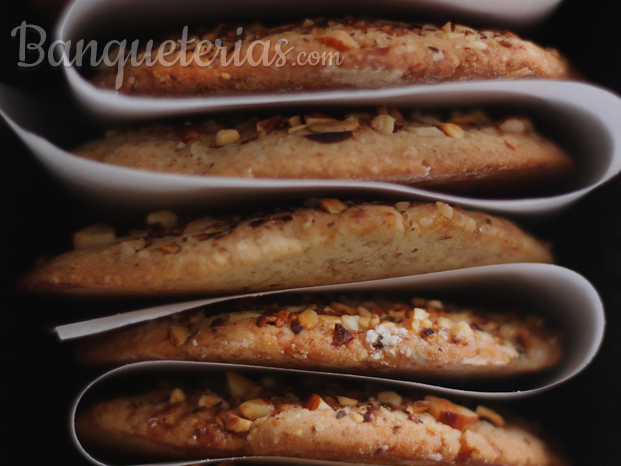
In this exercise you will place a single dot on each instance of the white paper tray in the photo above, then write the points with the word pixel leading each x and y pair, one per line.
pixel 551 291
pixel 584 116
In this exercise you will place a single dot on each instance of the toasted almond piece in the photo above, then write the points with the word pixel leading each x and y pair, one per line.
pixel 334 127
pixel 294 121
pixel 462 330
pixel 418 407
pixel 364 312
pixel 308 23
pixel 443 322
pixel 330 320
pixel 166 218
pixel 363 322
pixel 225 137
pixel 209 401
pixel 382 110
pixel 238 384
pixel 339 307
pixel 357 417
pixel 317 118
pixel 179 335
pixel 93 236
pixel 491 416
pixel 445 209
pixel 177 396
pixel 254 409
pixel 351 323
pixel 389 397
pixel 374 320
pixel 383 124
pixel 129 247
pixel 463 29
pixel 513 125
pixel 269 125
pixel 198 317
pixel 420 314
pixel 345 401
pixel 239 316
pixel 458 417
pixel 447 28
pixel 425 131
pixel 308 319
pixel 332 206
pixel 315 402
pixel 170 248
pixel 237 424
pixel 254 393
pixel 339 40
pixel 295 129
pixel 452 131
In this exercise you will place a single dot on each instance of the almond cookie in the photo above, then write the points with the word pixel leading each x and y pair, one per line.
pixel 335 54
pixel 465 151
pixel 313 420
pixel 347 335
pixel 328 243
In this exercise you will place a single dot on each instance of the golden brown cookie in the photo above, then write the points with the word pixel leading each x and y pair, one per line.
pixel 330 243
pixel 314 421
pixel 465 151
pixel 380 336
pixel 372 54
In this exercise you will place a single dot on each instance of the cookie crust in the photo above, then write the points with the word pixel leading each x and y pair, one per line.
pixel 460 153
pixel 375 54
pixel 327 244
pixel 348 335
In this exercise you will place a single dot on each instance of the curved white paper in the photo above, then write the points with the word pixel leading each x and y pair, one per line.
pixel 548 290
pixel 586 116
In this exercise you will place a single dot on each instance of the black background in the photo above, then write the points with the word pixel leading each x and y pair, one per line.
pixel 38 379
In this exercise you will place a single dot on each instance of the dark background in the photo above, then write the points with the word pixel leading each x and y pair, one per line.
pixel 39 379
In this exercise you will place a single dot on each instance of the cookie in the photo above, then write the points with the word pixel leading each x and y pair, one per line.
pixel 463 152
pixel 344 54
pixel 347 335
pixel 313 420
pixel 327 244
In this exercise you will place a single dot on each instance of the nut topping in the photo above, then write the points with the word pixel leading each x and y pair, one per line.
pixel 269 125
pixel 238 384
pixel 491 416
pixel 332 206
pixel 254 409
pixel 177 396
pixel 308 319
pixel 225 137
pixel 339 40
pixel 168 219
pixel 315 402
pixel 389 397
pixel 445 209
pixel 383 124
pixel 179 335
pixel 93 236
pixel 237 424
pixel 334 127
pixel 451 414
pixel 452 131
pixel 209 401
